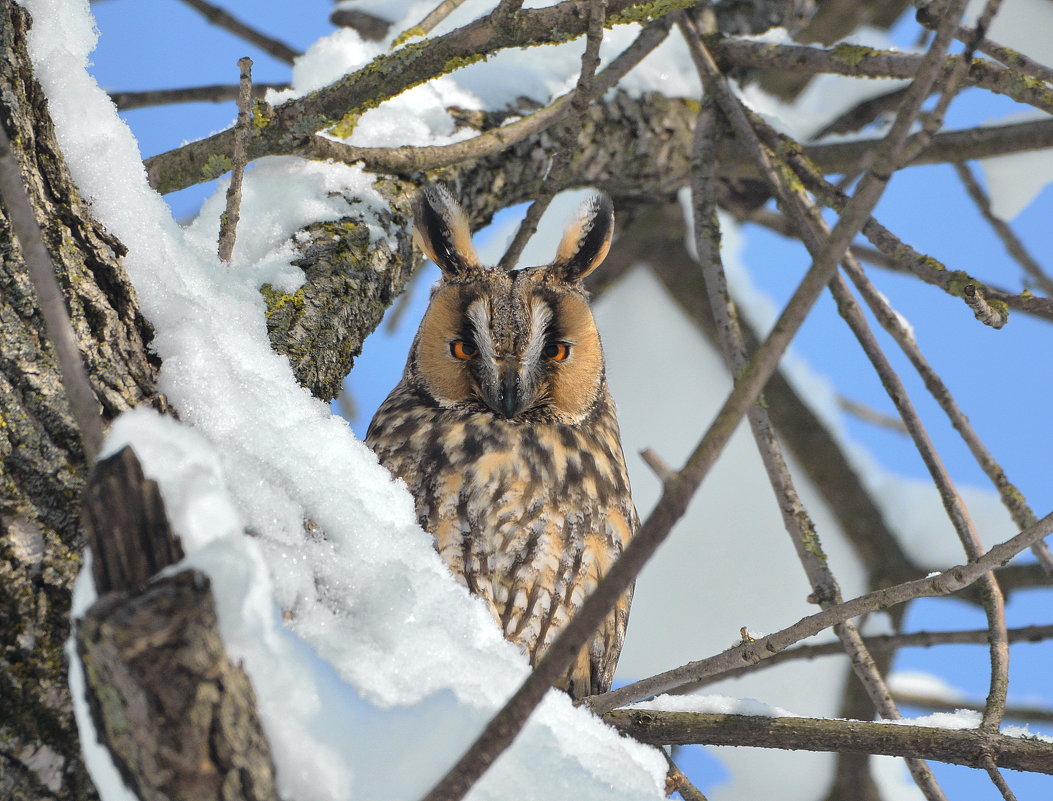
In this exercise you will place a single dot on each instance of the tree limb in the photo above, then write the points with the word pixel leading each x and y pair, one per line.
pixel 954 746
pixel 286 128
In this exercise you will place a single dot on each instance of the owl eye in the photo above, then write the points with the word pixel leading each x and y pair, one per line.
pixel 557 351
pixel 463 350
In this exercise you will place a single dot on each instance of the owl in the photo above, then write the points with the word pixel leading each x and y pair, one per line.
pixel 505 434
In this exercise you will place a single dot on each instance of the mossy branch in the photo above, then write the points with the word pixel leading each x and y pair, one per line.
pixel 289 128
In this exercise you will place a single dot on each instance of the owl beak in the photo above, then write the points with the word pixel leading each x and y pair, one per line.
pixel 511 399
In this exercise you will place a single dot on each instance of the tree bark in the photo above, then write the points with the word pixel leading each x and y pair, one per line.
pixel 178 717
pixel 42 463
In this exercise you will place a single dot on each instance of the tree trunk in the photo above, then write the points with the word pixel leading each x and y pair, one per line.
pixel 42 462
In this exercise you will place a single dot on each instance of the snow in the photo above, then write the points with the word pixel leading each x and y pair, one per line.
pixel 714 705
pixel 386 659
pixel 281 195
pixel 1014 181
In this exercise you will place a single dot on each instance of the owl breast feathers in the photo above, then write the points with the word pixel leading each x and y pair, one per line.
pixel 506 436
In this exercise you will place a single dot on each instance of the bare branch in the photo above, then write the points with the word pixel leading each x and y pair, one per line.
pixel 774 221
pixel 228 223
pixel 945 583
pixel 954 282
pixel 955 746
pixel 1003 230
pixel 869 415
pixel 677 782
pixel 883 644
pixel 865 62
pixel 579 102
pixel 1011 496
pixel 217 16
pixel 997 778
pixel 1013 59
pixel 427 25
pixel 806 541
pixel 218 93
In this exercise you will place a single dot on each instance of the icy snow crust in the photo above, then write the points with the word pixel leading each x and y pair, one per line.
pixel 388 669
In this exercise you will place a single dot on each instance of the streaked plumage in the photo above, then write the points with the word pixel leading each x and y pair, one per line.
pixel 505 434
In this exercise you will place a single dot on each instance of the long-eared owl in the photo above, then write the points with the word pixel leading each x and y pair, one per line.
pixel 506 436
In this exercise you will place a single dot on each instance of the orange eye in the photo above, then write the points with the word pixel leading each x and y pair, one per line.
pixel 463 350
pixel 557 351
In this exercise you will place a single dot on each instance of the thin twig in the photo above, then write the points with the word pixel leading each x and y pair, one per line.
pixel 798 523
pixel 812 229
pixel 223 19
pixel 945 583
pixel 884 644
pixel 1013 59
pixel 427 25
pixel 869 415
pixel 863 62
pixel 997 778
pixel 826 588
pixel 579 104
pixel 677 782
pixel 219 93
pixel 994 602
pixel 658 465
pixel 1010 495
pixel 900 258
pixel 953 81
pixel 971 747
pixel 989 305
pixel 82 399
pixel 228 222
pixel 409 159
pixel 1003 230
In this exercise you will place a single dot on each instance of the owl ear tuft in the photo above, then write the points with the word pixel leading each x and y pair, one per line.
pixel 440 229
pixel 586 239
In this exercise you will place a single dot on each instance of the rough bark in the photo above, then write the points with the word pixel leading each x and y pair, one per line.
pixel 42 463
pixel 178 717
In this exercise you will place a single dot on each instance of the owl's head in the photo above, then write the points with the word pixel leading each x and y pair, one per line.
pixel 520 344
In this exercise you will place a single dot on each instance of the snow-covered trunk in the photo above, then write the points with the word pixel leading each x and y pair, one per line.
pixel 42 463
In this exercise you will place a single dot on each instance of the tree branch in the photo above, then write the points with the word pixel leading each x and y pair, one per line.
pixel 287 127
pixel 217 93
pixel 955 746
pixel 228 223
pixel 945 583
pixel 217 16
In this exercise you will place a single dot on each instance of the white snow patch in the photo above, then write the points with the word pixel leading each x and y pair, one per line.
pixel 713 704
pixel 958 719
pixel 280 195
pixel 1015 180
